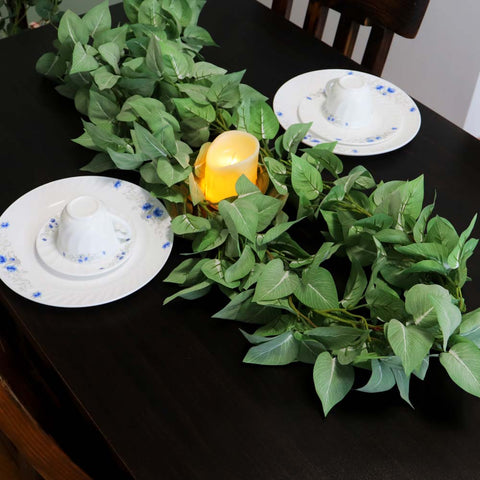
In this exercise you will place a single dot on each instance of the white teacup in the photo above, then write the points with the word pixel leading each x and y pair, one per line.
pixel 88 231
pixel 348 101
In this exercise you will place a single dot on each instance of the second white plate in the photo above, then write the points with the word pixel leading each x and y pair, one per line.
pixel 399 119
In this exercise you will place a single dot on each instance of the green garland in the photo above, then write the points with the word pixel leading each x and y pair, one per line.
pixel 152 102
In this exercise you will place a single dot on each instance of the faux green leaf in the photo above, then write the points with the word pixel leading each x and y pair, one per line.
pixel 440 230
pixel 381 380
pixel 277 326
pixel 148 144
pixel 125 161
pixel 224 90
pixel 432 251
pixel 187 109
pixel 171 173
pixel 281 350
pixel 268 208
pixel 101 162
pixel 188 223
pixel 377 222
pixel 325 158
pixel 153 57
pixel 403 384
pixel 131 8
pixel 150 13
pixel 384 302
pixel 317 289
pixel 72 29
pixel 418 302
pixel 262 122
pixel 455 255
pixel 242 267
pixel 309 350
pixel 462 363
pixel 117 35
pixel 338 336
pixel 214 269
pixel 98 19
pixel 427 266
pixel 389 235
pixel 421 371
pixel 421 223
pixel 274 282
pixel 324 253
pixel 50 65
pixel 294 135
pixel 306 179
pixel 410 343
pixel 181 272
pixel 356 284
pixel 103 138
pixel 105 79
pixel 242 214
pixel 448 315
pixel 277 173
pixel 191 293
pixel 411 198
pixel 245 188
pixel 241 308
pixel 176 65
pixel 204 70
pixel 110 52
pixel 470 326
pixel 196 35
pixel 254 339
pixel 209 240
pixel 81 61
pixel 276 231
pixel 332 380
pixel 101 109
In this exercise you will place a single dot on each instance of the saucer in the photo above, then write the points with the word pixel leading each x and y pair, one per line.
pixel 82 266
pixel 395 122
pixel 24 272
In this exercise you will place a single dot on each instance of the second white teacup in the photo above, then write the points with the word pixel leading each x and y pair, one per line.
pixel 88 231
pixel 348 101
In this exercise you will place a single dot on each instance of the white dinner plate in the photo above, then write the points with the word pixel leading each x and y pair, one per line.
pixel 23 271
pixel 395 122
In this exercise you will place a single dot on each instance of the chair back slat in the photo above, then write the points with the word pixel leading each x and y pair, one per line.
pixel 377 49
pixel 346 36
pixel 315 19
pixel 283 7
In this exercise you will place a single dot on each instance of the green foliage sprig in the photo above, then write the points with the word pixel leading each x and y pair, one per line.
pixel 13 14
pixel 152 103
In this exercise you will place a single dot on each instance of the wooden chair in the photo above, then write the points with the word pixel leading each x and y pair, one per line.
pixel 32 443
pixel 27 451
pixel 386 17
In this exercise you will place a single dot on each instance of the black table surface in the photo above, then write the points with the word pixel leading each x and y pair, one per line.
pixel 166 385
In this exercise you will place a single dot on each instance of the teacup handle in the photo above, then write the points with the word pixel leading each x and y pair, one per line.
pixel 124 231
pixel 329 86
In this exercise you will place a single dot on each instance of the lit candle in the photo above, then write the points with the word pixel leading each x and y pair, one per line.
pixel 231 155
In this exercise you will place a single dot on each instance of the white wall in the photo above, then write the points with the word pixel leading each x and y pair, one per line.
pixel 440 67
